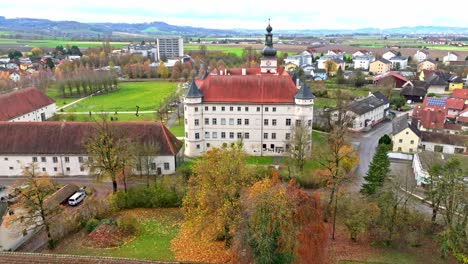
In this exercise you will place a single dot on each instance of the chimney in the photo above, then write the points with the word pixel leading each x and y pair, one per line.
pixel 221 72
pixel 244 71
pixel 225 71
pixel 297 83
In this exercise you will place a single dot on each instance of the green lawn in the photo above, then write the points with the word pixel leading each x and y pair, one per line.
pixel 50 43
pixel 96 117
pixel 321 102
pixel 157 227
pixel 178 130
pixel 53 93
pixel 147 95
pixel 256 160
pixel 219 47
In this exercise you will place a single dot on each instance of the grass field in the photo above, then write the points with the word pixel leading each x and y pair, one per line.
pixel 118 117
pixel 223 48
pixel 321 102
pixel 50 43
pixel 373 42
pixel 178 129
pixel 157 227
pixel 147 95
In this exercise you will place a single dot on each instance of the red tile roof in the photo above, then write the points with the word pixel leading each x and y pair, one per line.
pixel 454 103
pixel 21 102
pixel 69 137
pixel 460 93
pixel 250 88
pixel 393 74
pixel 432 119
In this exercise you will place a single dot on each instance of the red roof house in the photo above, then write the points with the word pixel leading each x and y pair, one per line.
pixel 21 102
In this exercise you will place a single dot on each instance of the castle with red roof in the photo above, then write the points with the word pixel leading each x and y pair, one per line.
pixel 258 106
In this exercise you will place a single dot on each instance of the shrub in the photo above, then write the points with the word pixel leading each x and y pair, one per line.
pixel 166 193
pixel 108 221
pixel 127 224
pixel 91 224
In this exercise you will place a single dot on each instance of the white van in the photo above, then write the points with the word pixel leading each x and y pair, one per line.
pixel 76 198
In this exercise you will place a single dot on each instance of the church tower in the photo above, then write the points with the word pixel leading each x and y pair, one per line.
pixel 269 62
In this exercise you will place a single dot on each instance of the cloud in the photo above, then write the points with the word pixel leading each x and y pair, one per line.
pixel 249 14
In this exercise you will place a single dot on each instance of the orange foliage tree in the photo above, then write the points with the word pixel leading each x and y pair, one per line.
pixel 282 224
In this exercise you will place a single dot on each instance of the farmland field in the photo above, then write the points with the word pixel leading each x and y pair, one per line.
pixel 146 95
pixel 50 43
pixel 223 48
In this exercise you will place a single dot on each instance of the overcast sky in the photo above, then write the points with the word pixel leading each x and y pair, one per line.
pixel 249 14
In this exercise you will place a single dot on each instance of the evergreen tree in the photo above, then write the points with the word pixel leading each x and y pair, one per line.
pixel 378 171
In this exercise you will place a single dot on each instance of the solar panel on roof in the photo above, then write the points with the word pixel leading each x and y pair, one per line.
pixel 431 101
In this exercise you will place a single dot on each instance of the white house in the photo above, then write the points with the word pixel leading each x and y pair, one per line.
pixel 302 59
pixel 360 53
pixel 443 142
pixel 363 62
pixel 57 148
pixel 14 76
pixel 424 160
pixel 451 56
pixel 389 54
pixel 28 104
pixel 337 53
pixel 364 113
pixel 399 60
pixel 258 106
pixel 421 55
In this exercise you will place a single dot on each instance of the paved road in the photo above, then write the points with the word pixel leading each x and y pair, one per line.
pixel 366 144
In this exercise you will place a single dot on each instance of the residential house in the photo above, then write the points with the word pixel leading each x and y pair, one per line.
pixel 389 54
pixel 380 66
pixel 461 94
pixel 365 113
pixel 421 55
pixel 443 142
pixel 336 52
pixel 438 82
pixel 14 76
pixel 427 64
pixel 308 70
pixel 405 136
pixel 320 75
pixel 431 114
pixel 383 98
pixel 360 53
pixel 58 148
pixel 397 78
pixel 399 62
pixel 414 91
pixel 363 62
pixel 322 62
pixel 303 58
pixel 451 56
pixel 455 82
pixel 28 104
pixel 290 67
pixel 454 107
pixel 425 160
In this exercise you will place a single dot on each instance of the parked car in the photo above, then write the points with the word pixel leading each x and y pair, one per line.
pixel 76 198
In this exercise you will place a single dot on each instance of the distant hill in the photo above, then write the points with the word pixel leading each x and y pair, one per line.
pixel 45 27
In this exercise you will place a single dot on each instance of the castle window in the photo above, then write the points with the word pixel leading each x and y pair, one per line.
pixel 231 134
pixel 288 121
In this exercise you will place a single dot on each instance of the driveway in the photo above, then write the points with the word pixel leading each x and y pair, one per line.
pixel 366 143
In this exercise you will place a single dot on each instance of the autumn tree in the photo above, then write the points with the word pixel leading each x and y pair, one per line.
pixel 330 66
pixel 385 86
pixel 379 170
pixel 281 224
pixel 338 160
pixel 357 214
pixel 300 145
pixel 448 188
pixel 162 70
pixel 212 204
pixel 108 150
pixel 33 199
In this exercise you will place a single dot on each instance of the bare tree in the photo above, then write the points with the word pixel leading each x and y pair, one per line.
pixel 108 150
pixel 144 154
pixel 300 145
pixel 33 200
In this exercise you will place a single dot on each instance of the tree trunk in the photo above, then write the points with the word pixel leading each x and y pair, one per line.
pixel 114 185
pixel 124 180
pixel 334 216
pixel 434 213
pixel 329 204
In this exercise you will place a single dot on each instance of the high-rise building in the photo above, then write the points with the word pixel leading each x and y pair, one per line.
pixel 170 47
